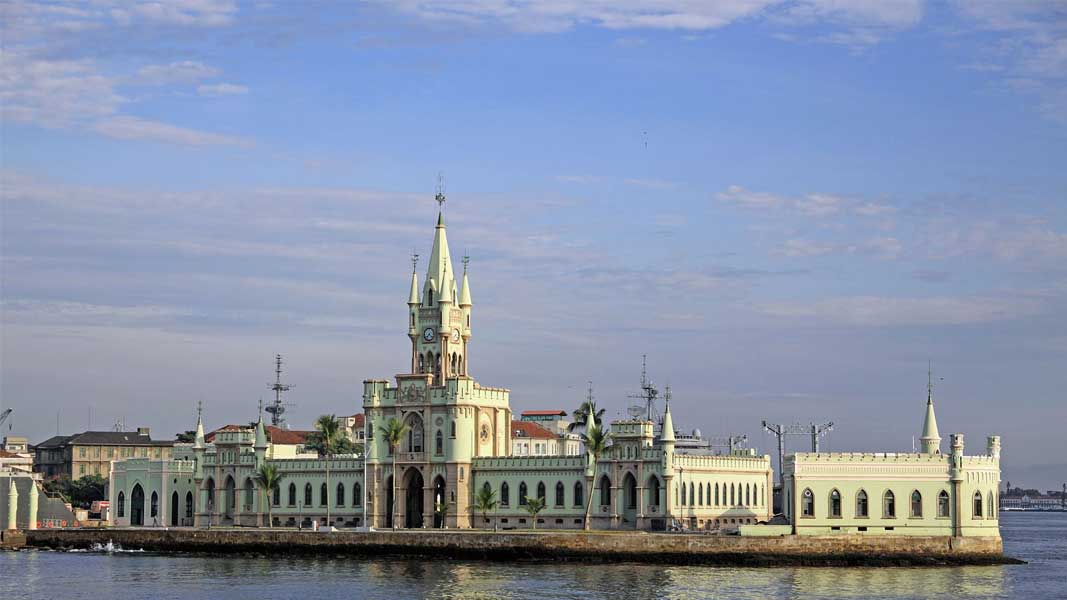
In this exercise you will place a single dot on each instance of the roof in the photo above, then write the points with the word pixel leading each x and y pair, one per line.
pixel 276 435
pixel 103 438
pixel 359 417
pixel 6 454
pixel 526 429
pixel 544 413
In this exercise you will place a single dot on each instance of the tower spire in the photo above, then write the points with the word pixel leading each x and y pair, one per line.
pixel 931 439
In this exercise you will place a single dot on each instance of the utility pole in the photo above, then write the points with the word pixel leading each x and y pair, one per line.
pixel 813 430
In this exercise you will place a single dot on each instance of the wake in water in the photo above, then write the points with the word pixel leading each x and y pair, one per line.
pixel 108 548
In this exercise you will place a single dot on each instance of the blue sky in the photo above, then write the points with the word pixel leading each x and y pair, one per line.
pixel 789 206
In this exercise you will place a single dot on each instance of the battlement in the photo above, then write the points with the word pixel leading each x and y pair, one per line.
pixel 529 463
pixel 724 462
pixel 872 457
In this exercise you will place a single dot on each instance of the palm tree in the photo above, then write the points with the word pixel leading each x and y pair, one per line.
pixel 581 415
pixel 534 506
pixel 329 428
pixel 485 501
pixel 393 431
pixel 268 477
pixel 596 442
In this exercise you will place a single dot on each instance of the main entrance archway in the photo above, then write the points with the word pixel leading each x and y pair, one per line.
pixel 137 506
pixel 440 505
pixel 413 504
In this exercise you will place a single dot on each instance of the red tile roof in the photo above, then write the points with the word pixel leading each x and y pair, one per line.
pixel 544 413
pixel 526 429
pixel 6 454
pixel 276 435
pixel 359 419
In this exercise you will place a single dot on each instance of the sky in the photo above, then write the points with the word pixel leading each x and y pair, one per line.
pixel 791 207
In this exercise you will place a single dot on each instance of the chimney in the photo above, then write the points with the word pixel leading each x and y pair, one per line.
pixel 142 431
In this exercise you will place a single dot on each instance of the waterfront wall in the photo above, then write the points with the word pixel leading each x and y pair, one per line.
pixel 557 545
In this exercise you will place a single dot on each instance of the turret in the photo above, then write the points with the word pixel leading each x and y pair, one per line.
pixel 931 439
pixel 956 469
pixel 993 446
pixel 261 440
pixel 199 446
pixel 465 292
pixel 33 505
pixel 12 503
pixel 666 438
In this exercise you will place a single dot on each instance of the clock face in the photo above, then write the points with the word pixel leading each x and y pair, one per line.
pixel 455 335
pixel 485 432
pixel 427 334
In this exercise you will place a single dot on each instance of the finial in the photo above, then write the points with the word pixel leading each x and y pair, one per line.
pixel 589 397
pixel 929 381
pixel 440 195
pixel 667 395
pixel 414 261
pixel 261 408
pixel 199 409
pixel 466 262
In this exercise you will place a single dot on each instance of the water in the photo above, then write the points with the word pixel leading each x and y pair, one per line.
pixel 1038 538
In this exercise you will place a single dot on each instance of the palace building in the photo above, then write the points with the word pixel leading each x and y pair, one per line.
pixel 462 438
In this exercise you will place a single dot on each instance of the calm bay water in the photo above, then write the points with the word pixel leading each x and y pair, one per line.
pixel 1038 538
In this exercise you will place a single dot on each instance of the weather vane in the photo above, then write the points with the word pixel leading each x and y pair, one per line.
pixel 414 261
pixel 440 196
pixel 466 261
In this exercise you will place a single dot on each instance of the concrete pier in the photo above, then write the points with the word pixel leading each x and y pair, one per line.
pixel 838 550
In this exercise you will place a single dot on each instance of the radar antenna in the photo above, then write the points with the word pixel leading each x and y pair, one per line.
pixel 649 393
pixel 277 409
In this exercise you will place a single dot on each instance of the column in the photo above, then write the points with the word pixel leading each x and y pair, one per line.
pixel 33 505
pixel 12 503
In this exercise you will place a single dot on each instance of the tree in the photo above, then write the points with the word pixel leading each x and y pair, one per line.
pixel 581 415
pixel 485 501
pixel 329 429
pixel 79 492
pixel 186 437
pixel 342 445
pixel 393 432
pixel 534 506
pixel 267 478
pixel 596 442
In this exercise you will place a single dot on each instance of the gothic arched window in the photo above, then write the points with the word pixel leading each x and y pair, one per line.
pixel 340 493
pixel 155 504
pixel 276 495
pixel 717 495
pixel 292 494
pixel 561 494
pixel 307 494
pixel 122 504
pixel 439 443
pixel 605 491
pixel 916 504
pixel 522 494
pixel 977 505
pixel 505 494
pixel 807 504
pixel 889 505
pixel 323 492
pixel 541 490
pixel 943 504
pixel 700 495
pixel 861 504
pixel 835 503
pixel 357 494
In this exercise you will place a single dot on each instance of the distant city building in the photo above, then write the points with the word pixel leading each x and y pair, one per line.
pixel 16 444
pixel 91 452
pixel 553 420
pixel 354 428
pixel 529 438
pixel 15 454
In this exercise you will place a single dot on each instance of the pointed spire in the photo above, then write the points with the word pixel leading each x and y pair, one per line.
pixel 261 433
pixel 198 441
pixel 446 287
pixel 465 292
pixel 931 439
pixel 438 272
pixel 413 297
pixel 666 433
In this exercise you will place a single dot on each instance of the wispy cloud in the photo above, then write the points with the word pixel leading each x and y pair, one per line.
pixel 134 128
pixel 221 89
pixel 884 311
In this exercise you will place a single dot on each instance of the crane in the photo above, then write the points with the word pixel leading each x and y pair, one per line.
pixel 4 415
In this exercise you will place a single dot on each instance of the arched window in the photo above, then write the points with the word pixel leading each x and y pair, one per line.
pixel 835 503
pixel 916 504
pixel 505 494
pixel 453 434
pixel 748 495
pixel 541 491
pixel 340 493
pixel 307 494
pixel 276 493
pixel 683 494
pixel 692 496
pixel 323 491
pixel 889 505
pixel 189 506
pixel 579 496
pixel 154 508
pixel 422 364
pixel 653 491
pixel 807 503
pixel 250 493
pixel 717 503
pixel 605 491
pixel 732 499
pixel 862 510
pixel 414 433
pixel 292 494
pixel 439 443
pixel 992 514
pixel 522 494
pixel 357 494
pixel 977 505
pixel 122 504
pixel 700 495
pixel 630 488
pixel 561 494
pixel 943 509
pixel 429 297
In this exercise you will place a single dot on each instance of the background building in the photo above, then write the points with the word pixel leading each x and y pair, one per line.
pixel 91 452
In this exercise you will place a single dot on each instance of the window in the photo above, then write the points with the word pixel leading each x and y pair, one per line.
pixel 861 504
pixel 889 505
pixel 439 443
pixel 81 469
pixel 322 494
pixel 561 494
pixel 340 494
pixel 276 492
pixel 307 494
pixel 942 505
pixel 579 496
pixel 732 502
pixel 155 505
pixel 292 494
pixel 992 513
pixel 189 506
pixel 605 491
pixel 748 495
pixel 122 504
pixel 916 504
pixel 415 435
pixel 81 451
pixel 977 505
pixel 453 433
pixel 505 494
pixel 96 452
pixel 541 490
pixel 700 495
pixel 683 495
pixel 807 503
pixel 717 494
pixel 835 504
pixel 692 496
pixel 522 494
pixel 357 494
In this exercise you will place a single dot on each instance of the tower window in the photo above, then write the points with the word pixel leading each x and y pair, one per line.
pixel 807 504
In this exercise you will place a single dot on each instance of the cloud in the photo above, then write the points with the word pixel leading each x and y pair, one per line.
pixel 134 128
pixel 652 184
pixel 584 179
pixel 819 204
pixel 872 209
pixel 882 311
pixel 799 247
pixel 199 13
pixel 736 194
pixel 186 71
pixel 54 93
pixel 221 89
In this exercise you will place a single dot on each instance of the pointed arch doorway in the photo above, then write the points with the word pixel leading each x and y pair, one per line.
pixel 439 502
pixel 413 503
pixel 137 506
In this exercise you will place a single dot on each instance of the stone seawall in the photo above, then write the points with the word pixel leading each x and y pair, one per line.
pixel 608 546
